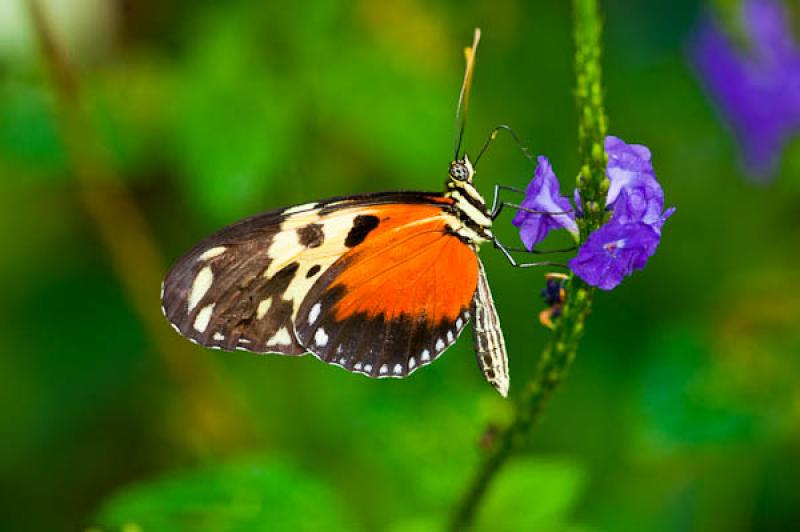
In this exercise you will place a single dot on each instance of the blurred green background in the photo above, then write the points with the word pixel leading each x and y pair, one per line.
pixel 681 412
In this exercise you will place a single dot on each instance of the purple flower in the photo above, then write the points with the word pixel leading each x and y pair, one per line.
pixel 627 240
pixel 632 235
pixel 612 252
pixel 634 194
pixel 543 194
pixel 757 90
pixel 623 244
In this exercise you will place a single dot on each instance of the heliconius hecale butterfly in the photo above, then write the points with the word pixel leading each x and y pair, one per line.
pixel 379 284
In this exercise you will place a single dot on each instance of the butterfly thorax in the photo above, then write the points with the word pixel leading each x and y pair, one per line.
pixel 474 221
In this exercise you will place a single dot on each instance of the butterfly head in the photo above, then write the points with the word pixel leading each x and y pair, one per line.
pixel 461 170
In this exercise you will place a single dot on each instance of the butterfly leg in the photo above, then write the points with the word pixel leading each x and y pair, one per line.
pixel 541 251
pixel 507 253
pixel 497 205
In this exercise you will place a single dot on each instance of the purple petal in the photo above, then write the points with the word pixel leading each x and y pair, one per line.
pixel 613 252
pixel 757 91
pixel 634 193
pixel 543 194
pixel 641 205
pixel 629 167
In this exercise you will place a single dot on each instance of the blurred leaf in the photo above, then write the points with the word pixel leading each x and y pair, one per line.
pixel 417 525
pixel 258 494
pixel 29 137
pixel 684 400
pixel 533 494
pixel 398 113
pixel 233 119
pixel 99 347
pixel 530 494
pixel 790 169
pixel 386 80
pixel 123 146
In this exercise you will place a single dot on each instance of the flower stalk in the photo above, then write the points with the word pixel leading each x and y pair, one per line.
pixel 592 185
pixel 592 122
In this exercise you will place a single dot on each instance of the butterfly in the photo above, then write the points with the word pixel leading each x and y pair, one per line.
pixel 379 284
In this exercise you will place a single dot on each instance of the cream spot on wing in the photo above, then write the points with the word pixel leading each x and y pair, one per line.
pixel 263 307
pixel 244 341
pixel 357 366
pixel 284 248
pixel 412 363
pixel 213 252
pixel 398 369
pixel 282 337
pixel 459 323
pixel 321 337
pixel 368 368
pixel 200 286
pixel 314 314
pixel 219 336
pixel 342 361
pixel 299 208
pixel 384 369
pixel 450 337
pixel 425 356
pixel 203 317
pixel 439 344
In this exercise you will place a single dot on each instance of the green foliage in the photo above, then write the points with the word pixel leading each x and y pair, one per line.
pixel 682 400
pixel 533 494
pixel 681 415
pixel 234 120
pixel 29 138
pixel 248 495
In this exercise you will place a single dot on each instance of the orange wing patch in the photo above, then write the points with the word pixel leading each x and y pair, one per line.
pixel 427 273
pixel 397 299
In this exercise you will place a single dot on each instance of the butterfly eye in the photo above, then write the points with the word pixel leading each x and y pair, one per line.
pixel 459 171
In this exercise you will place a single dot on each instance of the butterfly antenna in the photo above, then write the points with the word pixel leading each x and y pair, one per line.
pixel 493 135
pixel 463 96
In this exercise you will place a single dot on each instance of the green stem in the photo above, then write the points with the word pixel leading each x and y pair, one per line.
pixel 559 352
pixel 592 122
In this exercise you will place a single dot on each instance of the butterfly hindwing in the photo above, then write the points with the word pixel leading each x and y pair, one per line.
pixel 395 302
